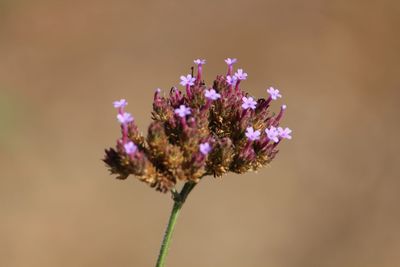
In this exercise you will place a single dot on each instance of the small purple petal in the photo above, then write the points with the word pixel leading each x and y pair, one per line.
pixel 230 61
pixel 200 61
pixel 211 94
pixel 274 93
pixel 231 80
pixel 240 75
pixel 249 102
pixel 183 111
pixel 205 148
pixel 120 103
pixel 272 134
pixel 284 133
pixel 130 148
pixel 188 80
pixel 125 118
pixel 252 135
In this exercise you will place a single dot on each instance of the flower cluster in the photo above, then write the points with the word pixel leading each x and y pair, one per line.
pixel 204 131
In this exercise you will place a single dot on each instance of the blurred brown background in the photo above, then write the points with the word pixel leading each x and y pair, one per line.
pixel 331 197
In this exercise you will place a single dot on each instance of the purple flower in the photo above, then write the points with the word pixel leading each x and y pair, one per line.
pixel 284 133
pixel 188 80
pixel 249 103
pixel 205 148
pixel 200 61
pixel 120 103
pixel 231 80
pixel 274 93
pixel 212 94
pixel 125 118
pixel 130 148
pixel 272 134
pixel 252 135
pixel 240 75
pixel 230 61
pixel 182 111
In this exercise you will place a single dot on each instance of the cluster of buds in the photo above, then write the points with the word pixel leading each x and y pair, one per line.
pixel 204 131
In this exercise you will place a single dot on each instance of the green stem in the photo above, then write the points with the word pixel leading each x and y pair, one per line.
pixel 168 234
pixel 179 199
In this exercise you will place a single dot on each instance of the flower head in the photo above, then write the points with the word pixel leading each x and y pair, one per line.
pixel 125 118
pixel 183 111
pixel 240 75
pixel 120 103
pixel 200 61
pixel 231 80
pixel 272 134
pixel 130 148
pixel 205 148
pixel 201 130
pixel 187 81
pixel 284 133
pixel 252 135
pixel 274 93
pixel 212 94
pixel 230 61
pixel 249 102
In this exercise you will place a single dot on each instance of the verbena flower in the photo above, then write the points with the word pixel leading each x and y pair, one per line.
pixel 120 103
pixel 130 148
pixel 205 130
pixel 274 93
pixel 183 111
pixel 187 80
pixel 272 134
pixel 125 118
pixel 253 135
pixel 211 94
pixel 200 61
pixel 248 102
pixel 205 148
pixel 231 80
pixel 284 133
pixel 230 61
pixel 240 75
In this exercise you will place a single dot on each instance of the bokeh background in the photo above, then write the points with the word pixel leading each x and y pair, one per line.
pixel 331 197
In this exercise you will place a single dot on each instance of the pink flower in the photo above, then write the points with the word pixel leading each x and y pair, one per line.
pixel 205 148
pixel 187 81
pixel 249 103
pixel 130 148
pixel 285 133
pixel 272 134
pixel 231 80
pixel 125 118
pixel 183 111
pixel 200 61
pixel 212 94
pixel 274 93
pixel 240 75
pixel 230 61
pixel 252 135
pixel 120 103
